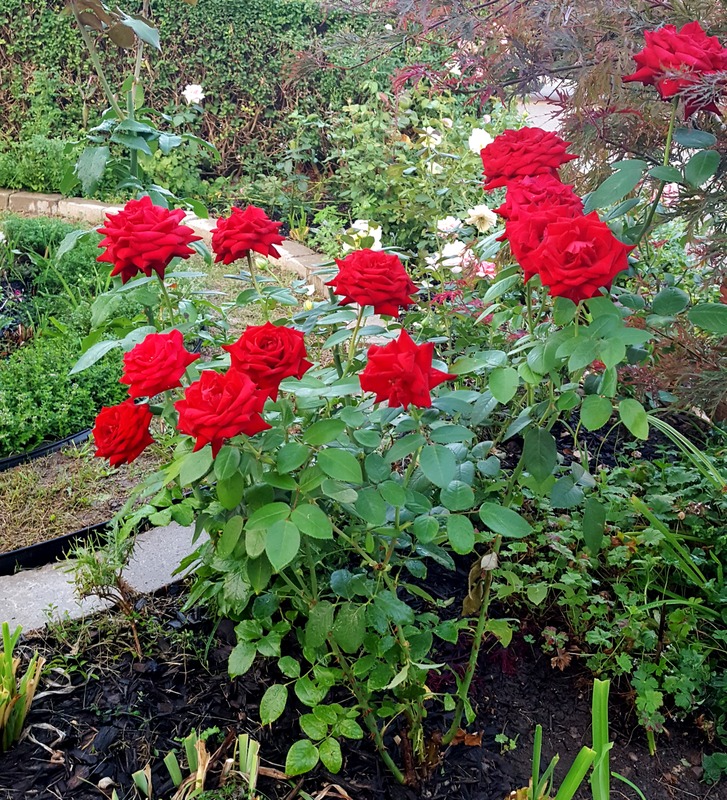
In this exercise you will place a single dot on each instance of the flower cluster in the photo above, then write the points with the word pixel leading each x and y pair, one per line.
pixel 221 405
pixel 685 63
pixel 576 255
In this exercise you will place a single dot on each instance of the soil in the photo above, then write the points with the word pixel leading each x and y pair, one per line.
pixel 64 492
pixel 103 713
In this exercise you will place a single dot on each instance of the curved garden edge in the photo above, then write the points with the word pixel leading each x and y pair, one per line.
pixel 294 257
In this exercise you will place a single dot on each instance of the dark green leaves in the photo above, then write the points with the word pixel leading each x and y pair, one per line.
pixel 701 166
pixel 438 464
pixel 504 521
pixel 540 455
pixel 616 186
pixel 710 317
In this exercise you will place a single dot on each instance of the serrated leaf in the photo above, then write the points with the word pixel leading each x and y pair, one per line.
pixel 540 454
pixel 341 465
pixel 273 703
pixel 282 544
pixel 504 521
pixel 349 629
pixel 689 137
pixel 710 317
pixel 94 354
pixel 302 757
pixel 616 186
pixel 595 412
pixel 195 466
pixel 312 521
pixel 503 383
pixel 438 464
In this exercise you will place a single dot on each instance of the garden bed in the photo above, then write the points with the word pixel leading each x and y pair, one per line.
pixel 123 713
pixel 62 493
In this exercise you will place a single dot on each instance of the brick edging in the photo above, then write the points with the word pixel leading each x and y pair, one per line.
pixel 294 257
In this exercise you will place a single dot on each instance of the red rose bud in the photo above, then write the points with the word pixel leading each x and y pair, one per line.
pixel 401 372
pixel 523 153
pixel 679 63
pixel 219 406
pixel 143 237
pixel 243 231
pixel 121 433
pixel 269 353
pixel 156 364
pixel 579 256
pixel 373 278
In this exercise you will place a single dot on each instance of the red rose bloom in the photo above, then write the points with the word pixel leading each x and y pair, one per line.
pixel 676 62
pixel 579 256
pixel 143 237
pixel 373 278
pixel 523 153
pixel 219 406
pixel 402 373
pixel 121 433
pixel 267 354
pixel 156 364
pixel 243 231
pixel 530 206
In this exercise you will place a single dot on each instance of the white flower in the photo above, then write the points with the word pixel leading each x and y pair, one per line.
pixel 362 229
pixel 430 138
pixel 309 289
pixel 388 27
pixel 482 217
pixel 453 254
pixel 447 122
pixel 448 225
pixel 453 68
pixel 479 139
pixel 486 269
pixel 3 237
pixel 487 119
pixel 193 93
pixel 434 168
pixel 456 270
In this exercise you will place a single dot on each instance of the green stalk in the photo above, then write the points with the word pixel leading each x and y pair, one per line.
pixel 354 338
pixel 535 770
pixel 253 278
pixel 367 713
pixel 464 688
pixel 96 61
pixel 665 163
pixel 576 774
pixel 167 299
pixel 601 776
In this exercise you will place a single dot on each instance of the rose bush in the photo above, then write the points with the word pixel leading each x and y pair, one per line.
pixel 330 487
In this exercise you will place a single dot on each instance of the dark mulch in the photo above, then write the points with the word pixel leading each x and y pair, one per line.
pixel 124 713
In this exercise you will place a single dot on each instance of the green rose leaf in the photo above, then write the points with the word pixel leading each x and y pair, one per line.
pixel 312 521
pixel 457 496
pixel 594 524
pixel 438 464
pixel 595 412
pixel 503 383
pixel 227 462
pixel 710 317
pixel 330 751
pixel 282 544
pixel 540 455
pixel 341 465
pixel 302 757
pixel 461 534
pixel 701 166
pixel 273 703
pixel 504 521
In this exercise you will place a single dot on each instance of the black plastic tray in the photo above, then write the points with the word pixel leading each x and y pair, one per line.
pixel 44 450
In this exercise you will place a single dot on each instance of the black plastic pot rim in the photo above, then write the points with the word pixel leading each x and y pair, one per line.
pixel 44 450
pixel 42 553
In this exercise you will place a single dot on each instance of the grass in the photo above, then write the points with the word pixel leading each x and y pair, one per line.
pixel 63 492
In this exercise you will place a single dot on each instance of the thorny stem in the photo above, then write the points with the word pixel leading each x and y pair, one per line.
pixel 96 61
pixel 354 337
pixel 367 713
pixel 253 278
pixel 464 688
pixel 665 163
pixel 167 299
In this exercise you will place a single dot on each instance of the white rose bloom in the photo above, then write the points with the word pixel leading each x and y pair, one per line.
pixel 388 27
pixel 479 139
pixel 487 119
pixel 482 217
pixel 430 138
pixel 448 225
pixel 193 93
pixel 453 254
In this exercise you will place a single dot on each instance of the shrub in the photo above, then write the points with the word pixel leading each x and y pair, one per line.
pixel 40 401
pixel 36 164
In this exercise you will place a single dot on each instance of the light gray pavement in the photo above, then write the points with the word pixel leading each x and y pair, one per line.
pixel 31 598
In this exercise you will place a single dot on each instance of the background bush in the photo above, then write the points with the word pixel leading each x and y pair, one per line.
pixel 243 52
pixel 40 401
